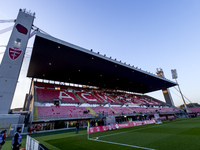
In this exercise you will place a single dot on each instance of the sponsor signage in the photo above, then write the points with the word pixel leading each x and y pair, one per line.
pixel 14 52
pixel 21 29
pixel 118 126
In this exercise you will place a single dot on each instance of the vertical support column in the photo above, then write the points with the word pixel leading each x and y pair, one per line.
pixel 168 97
pixel 13 58
pixel 29 98
pixel 166 92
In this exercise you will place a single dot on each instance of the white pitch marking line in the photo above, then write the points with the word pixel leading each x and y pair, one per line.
pixel 123 144
pixel 129 131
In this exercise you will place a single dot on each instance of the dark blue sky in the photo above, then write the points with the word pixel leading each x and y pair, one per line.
pixel 149 34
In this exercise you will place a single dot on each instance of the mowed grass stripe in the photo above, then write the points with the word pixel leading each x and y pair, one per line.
pixel 183 134
pixel 165 136
pixel 170 135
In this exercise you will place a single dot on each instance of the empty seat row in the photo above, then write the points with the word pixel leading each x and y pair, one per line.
pixel 48 95
pixel 45 112
pixel 46 92
pixel 196 109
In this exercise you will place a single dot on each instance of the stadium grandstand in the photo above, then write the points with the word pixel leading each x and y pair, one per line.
pixel 54 101
pixel 70 84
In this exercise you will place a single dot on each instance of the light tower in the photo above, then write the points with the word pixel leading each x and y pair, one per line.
pixel 166 92
pixel 13 57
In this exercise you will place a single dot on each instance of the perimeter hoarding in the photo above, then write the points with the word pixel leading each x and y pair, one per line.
pixel 119 126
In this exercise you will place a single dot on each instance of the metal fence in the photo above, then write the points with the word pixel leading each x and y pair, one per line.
pixel 32 144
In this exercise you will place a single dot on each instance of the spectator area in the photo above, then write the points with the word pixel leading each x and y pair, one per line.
pixel 106 98
pixel 101 110
pixel 123 110
pixel 195 109
pixel 62 112
pixel 48 95
pixel 89 98
pixel 77 101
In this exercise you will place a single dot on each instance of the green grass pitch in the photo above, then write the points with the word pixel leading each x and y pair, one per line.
pixel 180 134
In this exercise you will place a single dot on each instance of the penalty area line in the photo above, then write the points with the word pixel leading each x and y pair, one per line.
pixel 122 144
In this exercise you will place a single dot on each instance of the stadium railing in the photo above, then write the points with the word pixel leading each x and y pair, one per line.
pixel 32 144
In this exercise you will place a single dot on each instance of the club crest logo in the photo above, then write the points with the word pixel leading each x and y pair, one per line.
pixel 14 52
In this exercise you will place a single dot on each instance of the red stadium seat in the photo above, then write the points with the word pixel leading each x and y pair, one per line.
pixel 89 98
pixel 47 95
pixel 106 98
pixel 48 112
